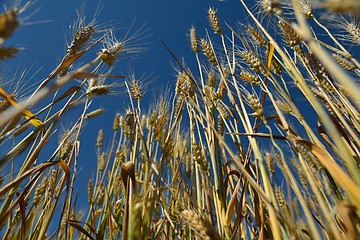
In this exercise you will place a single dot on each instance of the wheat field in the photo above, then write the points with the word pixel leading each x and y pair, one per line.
pixel 258 140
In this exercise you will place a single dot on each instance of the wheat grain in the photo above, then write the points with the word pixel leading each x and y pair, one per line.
pixel 40 191
pixel 300 172
pixel 136 90
pixel 116 122
pixel 118 209
pixel 112 46
pixel 101 197
pixel 223 112
pixel 306 8
pixel 4 103
pixel 203 228
pixel 80 39
pixel 100 138
pixel 291 36
pixel 280 198
pixel 7 52
pixel 253 61
pixel 271 7
pixel 276 66
pixel 354 30
pixel 52 182
pixel 211 79
pixel 90 192
pixel 199 157
pixel 208 51
pixel 95 113
pixel 284 106
pixel 270 163
pixel 250 78
pixel 214 20
pixel 194 42
pixel 255 104
pixel 220 125
pixel 66 146
pixel 184 85
pixel 101 161
pixel 221 91
pixel 98 90
pixel 259 39
pixel 321 73
pixel 345 63
pixel 209 98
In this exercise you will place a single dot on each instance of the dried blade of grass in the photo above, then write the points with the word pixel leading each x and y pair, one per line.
pixel 231 204
pixel 22 206
pixel 76 225
pixel 128 172
pixel 95 75
pixel 322 201
pixel 65 63
pixel 349 219
pixel 68 92
pixel 270 54
pixel 27 114
pixel 28 163
pixel 7 214
pixel 40 168
pixel 18 148
pixel 338 174
pixel 64 166
pixel 7 208
pixel 170 221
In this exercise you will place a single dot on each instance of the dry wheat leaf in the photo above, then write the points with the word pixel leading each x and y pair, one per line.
pixel 41 167
pixel 27 114
pixel 270 55
pixel 128 170
pixel 22 207
pixel 66 169
pixel 80 228
pixel 338 174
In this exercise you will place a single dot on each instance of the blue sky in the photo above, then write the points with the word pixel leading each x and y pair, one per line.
pixel 45 32
pixel 170 21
